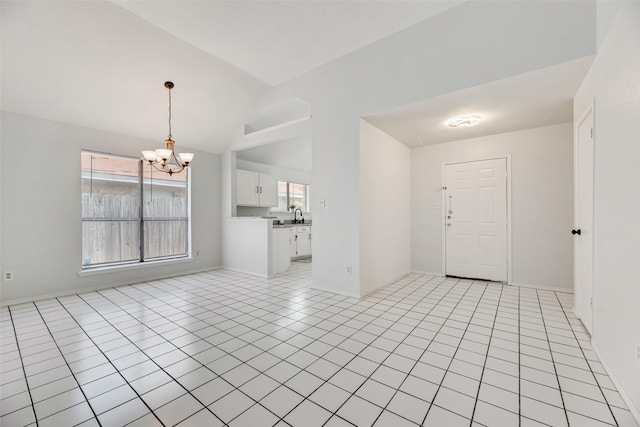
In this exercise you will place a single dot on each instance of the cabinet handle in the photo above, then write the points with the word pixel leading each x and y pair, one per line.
pixel 257 189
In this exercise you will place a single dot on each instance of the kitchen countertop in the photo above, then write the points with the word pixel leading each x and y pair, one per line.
pixel 289 225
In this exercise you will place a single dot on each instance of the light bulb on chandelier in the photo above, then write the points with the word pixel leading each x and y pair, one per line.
pixel 161 158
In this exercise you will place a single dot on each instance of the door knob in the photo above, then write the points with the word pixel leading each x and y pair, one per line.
pixel 578 232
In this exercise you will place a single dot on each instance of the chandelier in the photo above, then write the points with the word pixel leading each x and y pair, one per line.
pixel 165 159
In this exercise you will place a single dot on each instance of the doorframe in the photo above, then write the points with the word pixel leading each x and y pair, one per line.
pixel 589 109
pixel 443 228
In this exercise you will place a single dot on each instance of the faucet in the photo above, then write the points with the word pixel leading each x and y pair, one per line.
pixel 295 216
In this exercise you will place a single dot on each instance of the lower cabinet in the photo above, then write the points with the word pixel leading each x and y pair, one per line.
pixel 299 241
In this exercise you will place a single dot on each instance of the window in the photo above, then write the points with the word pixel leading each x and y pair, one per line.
pixel 131 212
pixel 291 193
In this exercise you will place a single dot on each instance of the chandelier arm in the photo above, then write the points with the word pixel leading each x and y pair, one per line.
pixel 178 161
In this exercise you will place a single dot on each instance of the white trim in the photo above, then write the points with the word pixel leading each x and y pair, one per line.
pixel 101 287
pixel 542 287
pixel 251 273
pixel 402 276
pixel 134 266
pixel 427 273
pixel 443 229
pixel 334 291
pixel 590 109
pixel 635 411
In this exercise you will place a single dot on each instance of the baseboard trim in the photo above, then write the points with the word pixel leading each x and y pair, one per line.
pixel 78 291
pixel 542 287
pixel 334 291
pixel 635 411
pixel 427 273
pixel 385 284
pixel 251 273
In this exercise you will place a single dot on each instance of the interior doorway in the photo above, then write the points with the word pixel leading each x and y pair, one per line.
pixel 583 243
pixel 476 219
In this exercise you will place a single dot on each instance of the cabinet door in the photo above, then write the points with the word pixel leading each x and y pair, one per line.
pixel 303 244
pixel 247 184
pixel 268 191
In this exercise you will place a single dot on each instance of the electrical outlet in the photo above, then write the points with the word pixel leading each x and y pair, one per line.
pixel 197 253
pixel 348 269
pixel 436 206
pixel 322 203
pixel 8 276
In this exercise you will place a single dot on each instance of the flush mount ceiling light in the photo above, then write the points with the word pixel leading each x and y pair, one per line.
pixel 165 159
pixel 463 121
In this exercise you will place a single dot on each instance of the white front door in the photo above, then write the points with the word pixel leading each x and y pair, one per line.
pixel 476 219
pixel 583 242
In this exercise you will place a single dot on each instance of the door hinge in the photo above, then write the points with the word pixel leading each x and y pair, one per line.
pixel 591 132
pixel 591 302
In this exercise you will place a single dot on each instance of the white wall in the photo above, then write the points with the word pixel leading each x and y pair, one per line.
pixel 280 173
pixel 385 226
pixel 463 47
pixel 41 215
pixel 247 245
pixel 541 201
pixel 614 82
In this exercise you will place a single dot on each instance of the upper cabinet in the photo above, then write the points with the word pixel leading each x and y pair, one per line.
pixel 256 189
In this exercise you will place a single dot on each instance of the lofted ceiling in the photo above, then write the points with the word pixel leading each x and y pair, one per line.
pixel 102 65
pixel 276 41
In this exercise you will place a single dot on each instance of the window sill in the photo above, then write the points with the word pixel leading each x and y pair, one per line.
pixel 136 266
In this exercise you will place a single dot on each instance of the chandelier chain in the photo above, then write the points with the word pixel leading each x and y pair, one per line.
pixel 169 114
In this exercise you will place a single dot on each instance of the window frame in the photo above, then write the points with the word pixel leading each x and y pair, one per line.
pixel 140 219
pixel 289 198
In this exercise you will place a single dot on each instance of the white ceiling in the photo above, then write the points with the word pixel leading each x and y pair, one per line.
pixel 102 65
pixel 293 153
pixel 530 100
pixel 276 41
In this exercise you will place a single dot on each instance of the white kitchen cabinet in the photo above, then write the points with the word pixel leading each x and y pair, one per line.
pixel 256 189
pixel 300 241
pixel 292 242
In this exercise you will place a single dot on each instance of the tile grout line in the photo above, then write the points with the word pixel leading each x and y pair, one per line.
pixel 110 362
pixel 588 364
pixel 242 362
pixel 519 362
pixel 335 346
pixel 544 323
pixel 68 366
pixel 296 311
pixel 477 398
pixel 390 353
pixel 153 361
pixel 24 372
pixel 452 357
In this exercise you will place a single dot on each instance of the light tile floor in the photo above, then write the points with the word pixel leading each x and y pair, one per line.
pixel 224 348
